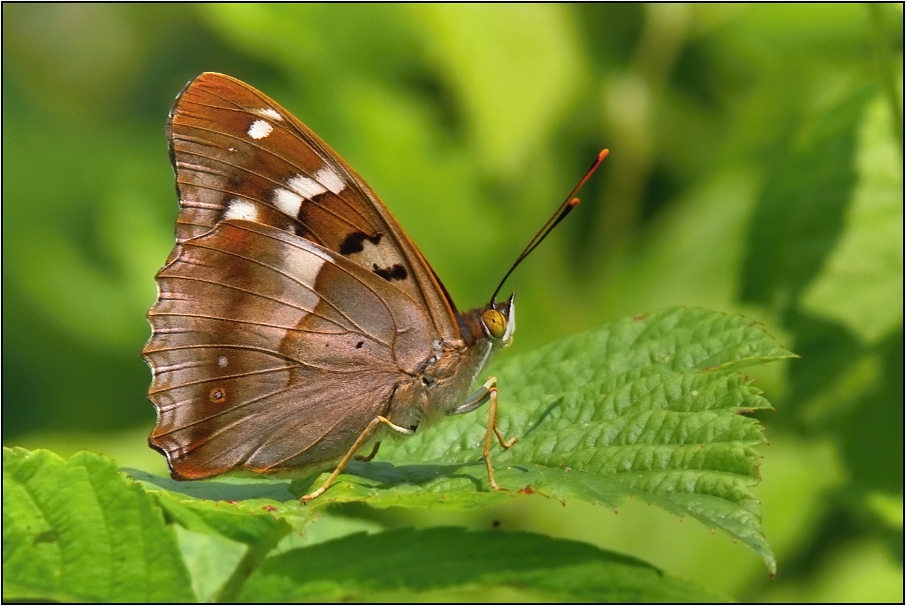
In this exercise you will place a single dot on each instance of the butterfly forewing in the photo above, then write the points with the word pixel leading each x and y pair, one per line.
pixel 238 154
pixel 270 352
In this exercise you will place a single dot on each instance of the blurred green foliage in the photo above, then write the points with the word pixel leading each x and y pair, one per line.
pixel 756 167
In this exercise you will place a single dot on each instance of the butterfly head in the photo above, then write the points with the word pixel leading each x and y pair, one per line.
pixel 498 321
pixel 492 324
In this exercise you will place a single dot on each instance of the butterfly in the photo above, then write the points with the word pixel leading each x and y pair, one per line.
pixel 296 323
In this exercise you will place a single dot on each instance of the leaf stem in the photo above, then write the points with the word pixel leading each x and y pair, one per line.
pixel 253 557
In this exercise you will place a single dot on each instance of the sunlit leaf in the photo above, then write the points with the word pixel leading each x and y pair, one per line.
pixel 78 531
pixel 799 216
pixel 646 407
pixel 449 564
pixel 861 284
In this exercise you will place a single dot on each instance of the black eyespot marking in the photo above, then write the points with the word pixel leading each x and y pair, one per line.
pixel 396 272
pixel 355 242
pixel 217 395
pixel 413 427
pixel 359 344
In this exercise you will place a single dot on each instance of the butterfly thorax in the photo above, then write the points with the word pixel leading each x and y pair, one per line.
pixel 446 378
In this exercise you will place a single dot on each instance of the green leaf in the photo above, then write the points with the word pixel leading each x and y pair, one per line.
pixel 243 510
pixel 210 559
pixel 799 217
pixel 861 283
pixel 77 530
pixel 239 510
pixel 646 407
pixel 450 564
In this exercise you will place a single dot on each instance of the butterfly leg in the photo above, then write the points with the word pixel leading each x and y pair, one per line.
pixel 477 400
pixel 487 393
pixel 492 426
pixel 362 439
pixel 371 455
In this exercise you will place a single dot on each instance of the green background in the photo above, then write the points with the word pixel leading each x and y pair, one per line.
pixel 756 167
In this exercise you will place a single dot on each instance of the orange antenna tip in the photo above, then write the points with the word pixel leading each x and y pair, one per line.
pixel 570 203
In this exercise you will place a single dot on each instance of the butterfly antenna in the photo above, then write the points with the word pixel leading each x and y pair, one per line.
pixel 564 209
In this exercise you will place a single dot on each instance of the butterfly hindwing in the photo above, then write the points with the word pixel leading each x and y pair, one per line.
pixel 270 352
pixel 238 154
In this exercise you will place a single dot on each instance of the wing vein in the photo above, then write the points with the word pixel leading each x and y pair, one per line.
pixel 274 182
pixel 261 295
pixel 327 258
pixel 284 125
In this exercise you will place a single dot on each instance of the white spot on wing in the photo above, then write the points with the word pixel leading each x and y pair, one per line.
pixel 287 202
pixel 305 187
pixel 330 180
pixel 241 209
pixel 381 254
pixel 268 112
pixel 304 266
pixel 260 129
pixel 222 361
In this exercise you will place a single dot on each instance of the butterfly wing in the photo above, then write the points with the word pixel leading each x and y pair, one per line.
pixel 270 352
pixel 239 154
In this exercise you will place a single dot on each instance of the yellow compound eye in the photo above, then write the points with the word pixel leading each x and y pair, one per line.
pixel 495 322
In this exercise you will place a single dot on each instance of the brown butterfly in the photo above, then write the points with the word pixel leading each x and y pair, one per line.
pixel 296 322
